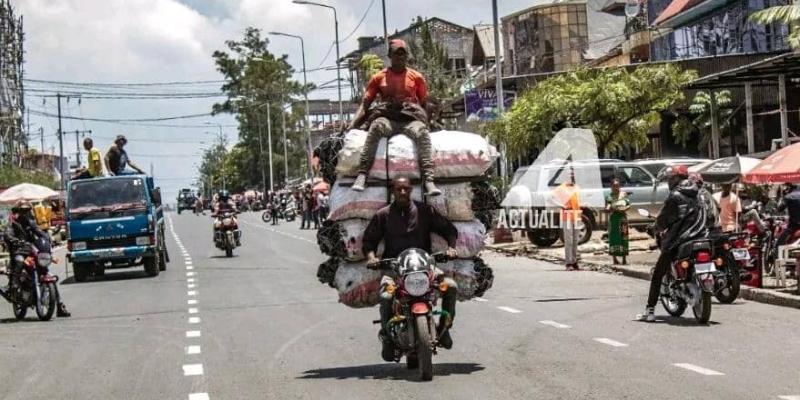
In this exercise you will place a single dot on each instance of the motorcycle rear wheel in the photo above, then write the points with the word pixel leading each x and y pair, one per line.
pixel 424 348
pixel 675 308
pixel 702 310
pixel 228 252
pixel 729 293
pixel 47 305
pixel 412 362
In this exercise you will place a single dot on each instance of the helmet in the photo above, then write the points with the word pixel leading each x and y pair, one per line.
pixel 673 170
pixel 224 195
pixel 22 205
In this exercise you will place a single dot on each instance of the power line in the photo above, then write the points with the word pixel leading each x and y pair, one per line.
pixel 188 116
pixel 127 84
pixel 363 17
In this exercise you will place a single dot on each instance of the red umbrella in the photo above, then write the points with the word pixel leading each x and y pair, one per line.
pixel 321 186
pixel 783 166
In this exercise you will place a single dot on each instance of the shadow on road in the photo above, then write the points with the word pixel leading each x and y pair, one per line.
pixel 109 277
pixel 224 256
pixel 389 371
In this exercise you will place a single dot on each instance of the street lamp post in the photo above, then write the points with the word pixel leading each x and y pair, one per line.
pixel 305 96
pixel 222 161
pixel 338 70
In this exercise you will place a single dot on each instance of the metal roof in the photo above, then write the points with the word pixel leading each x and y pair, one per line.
pixel 765 71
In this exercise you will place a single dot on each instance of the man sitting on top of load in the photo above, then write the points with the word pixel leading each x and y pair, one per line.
pixel 403 94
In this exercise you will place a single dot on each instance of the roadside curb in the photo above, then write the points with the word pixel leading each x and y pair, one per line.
pixel 765 296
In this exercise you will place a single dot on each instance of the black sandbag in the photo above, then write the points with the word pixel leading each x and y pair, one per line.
pixel 328 154
pixel 327 271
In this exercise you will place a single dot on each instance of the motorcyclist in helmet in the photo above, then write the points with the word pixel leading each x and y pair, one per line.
pixel 20 233
pixel 224 202
pixel 682 218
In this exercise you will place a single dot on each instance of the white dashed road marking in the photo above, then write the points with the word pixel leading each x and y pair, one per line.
pixel 191 302
pixel 554 324
pixel 610 342
pixel 509 309
pixel 192 310
pixel 191 334
pixel 198 396
pixel 190 286
pixel 789 397
pixel 191 293
pixel 190 273
pixel 193 350
pixel 190 280
pixel 699 370
pixel 192 369
pixel 194 320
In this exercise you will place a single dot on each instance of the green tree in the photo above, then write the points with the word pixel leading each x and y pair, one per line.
pixel 788 14
pixel 256 79
pixel 368 65
pixel 699 118
pixel 618 105
pixel 431 59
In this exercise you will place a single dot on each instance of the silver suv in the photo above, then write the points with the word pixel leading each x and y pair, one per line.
pixel 642 187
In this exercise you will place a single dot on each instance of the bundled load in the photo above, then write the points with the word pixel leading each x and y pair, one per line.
pixel 461 161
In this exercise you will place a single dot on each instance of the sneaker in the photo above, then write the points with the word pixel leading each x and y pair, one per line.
pixel 359 183
pixel 648 316
pixel 431 189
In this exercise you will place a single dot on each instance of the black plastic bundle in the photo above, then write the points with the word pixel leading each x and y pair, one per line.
pixel 330 238
pixel 485 201
pixel 327 271
pixel 484 277
pixel 328 154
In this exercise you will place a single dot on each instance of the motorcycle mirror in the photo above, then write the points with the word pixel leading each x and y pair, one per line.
pixel 643 212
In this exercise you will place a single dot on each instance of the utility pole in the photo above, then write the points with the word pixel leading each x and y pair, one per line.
pixel 269 145
pixel 41 135
pixel 261 153
pixel 385 31
pixel 60 143
pixel 78 145
pixel 499 95
pixel 285 153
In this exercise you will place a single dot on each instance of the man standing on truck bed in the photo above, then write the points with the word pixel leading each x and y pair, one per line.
pixel 117 158
pixel 404 95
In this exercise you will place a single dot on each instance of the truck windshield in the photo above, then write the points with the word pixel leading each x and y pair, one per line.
pixel 106 195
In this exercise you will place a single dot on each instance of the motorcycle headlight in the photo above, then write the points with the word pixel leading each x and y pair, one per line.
pixel 417 283
pixel 142 240
pixel 78 246
pixel 217 224
pixel 227 221
pixel 44 259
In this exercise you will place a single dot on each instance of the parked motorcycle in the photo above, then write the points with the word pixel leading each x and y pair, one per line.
pixel 287 212
pixel 413 326
pixel 691 279
pixel 730 259
pixel 226 232
pixel 36 287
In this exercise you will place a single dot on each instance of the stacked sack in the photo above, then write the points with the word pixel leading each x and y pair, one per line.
pixel 461 162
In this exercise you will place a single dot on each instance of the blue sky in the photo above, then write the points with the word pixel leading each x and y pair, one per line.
pixel 172 40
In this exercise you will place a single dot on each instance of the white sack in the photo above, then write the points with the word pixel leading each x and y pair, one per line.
pixel 470 240
pixel 455 154
pixel 463 272
pixel 358 286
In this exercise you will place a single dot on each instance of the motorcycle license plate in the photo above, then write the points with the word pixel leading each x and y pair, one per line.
pixel 740 254
pixel 704 267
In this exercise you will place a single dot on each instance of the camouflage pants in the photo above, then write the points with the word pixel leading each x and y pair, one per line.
pixel 417 131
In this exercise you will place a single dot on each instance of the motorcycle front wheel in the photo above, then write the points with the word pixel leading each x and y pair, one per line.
pixel 675 307
pixel 266 216
pixel 19 310
pixel 702 310
pixel 46 305
pixel 424 348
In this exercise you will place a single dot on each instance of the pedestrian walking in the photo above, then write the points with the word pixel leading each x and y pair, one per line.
pixel 617 205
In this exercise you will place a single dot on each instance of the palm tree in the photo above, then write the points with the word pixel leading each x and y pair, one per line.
pixel 700 120
pixel 788 14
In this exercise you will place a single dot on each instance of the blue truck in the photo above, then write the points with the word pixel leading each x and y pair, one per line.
pixel 115 222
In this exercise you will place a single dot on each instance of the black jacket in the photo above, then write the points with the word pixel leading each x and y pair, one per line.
pixel 791 203
pixel 404 229
pixel 683 217
pixel 18 235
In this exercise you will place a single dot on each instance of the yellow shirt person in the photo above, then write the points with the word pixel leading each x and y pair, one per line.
pixel 95 162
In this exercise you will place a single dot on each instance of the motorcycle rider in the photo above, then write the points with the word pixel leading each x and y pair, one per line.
pixel 20 233
pixel 403 96
pixel 682 218
pixel 225 203
pixel 402 225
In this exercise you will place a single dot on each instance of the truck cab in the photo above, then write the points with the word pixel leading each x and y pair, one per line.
pixel 115 222
pixel 186 200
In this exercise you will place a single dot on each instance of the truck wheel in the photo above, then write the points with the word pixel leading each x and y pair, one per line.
pixel 585 233
pixel 179 211
pixel 81 271
pixel 151 265
pixel 543 237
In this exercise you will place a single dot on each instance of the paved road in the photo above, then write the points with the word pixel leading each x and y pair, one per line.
pixel 259 326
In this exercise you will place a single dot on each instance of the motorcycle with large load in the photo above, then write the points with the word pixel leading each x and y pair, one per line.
pixel 36 288
pixel 226 232
pixel 691 279
pixel 413 327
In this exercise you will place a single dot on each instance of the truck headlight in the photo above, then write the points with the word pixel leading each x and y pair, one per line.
pixel 78 246
pixel 142 240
